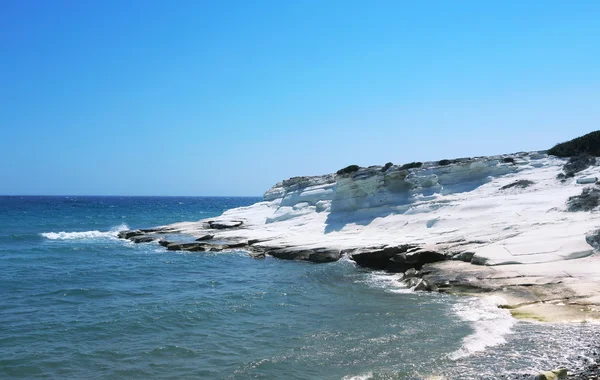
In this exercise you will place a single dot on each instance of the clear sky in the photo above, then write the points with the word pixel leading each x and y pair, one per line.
pixel 229 97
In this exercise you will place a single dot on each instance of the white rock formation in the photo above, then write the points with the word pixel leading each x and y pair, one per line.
pixel 464 208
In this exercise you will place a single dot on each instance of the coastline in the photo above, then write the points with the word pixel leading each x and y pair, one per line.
pixel 462 226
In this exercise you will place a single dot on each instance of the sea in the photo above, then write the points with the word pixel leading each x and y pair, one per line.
pixel 76 302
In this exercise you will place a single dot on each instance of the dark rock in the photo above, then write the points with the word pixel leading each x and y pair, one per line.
pixel 129 234
pixel 164 242
pixel 376 258
pixel 254 241
pixel 586 201
pixel 205 237
pixel 466 256
pixel 402 262
pixel 522 183
pixel 221 225
pixel 593 239
pixel 257 255
pixel 142 239
pixel 149 230
pixel 241 244
pixel 508 160
pixel 191 247
pixel 316 255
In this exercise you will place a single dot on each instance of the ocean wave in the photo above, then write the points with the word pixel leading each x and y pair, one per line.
pixel 490 325
pixel 85 234
pixel 389 282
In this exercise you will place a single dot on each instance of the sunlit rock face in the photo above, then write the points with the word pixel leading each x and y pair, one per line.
pixel 376 187
pixel 498 210
pixel 471 200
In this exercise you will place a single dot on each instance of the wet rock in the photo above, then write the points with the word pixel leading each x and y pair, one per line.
pixel 376 258
pixel 205 237
pixel 316 255
pixel 164 243
pixel 129 234
pixel 191 247
pixel 402 262
pixel 419 284
pixel 240 244
pixel 412 272
pixel 150 230
pixel 142 239
pixel 555 374
pixel 257 255
pixel 221 225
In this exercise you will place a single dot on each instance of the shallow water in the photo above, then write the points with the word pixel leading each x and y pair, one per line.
pixel 75 302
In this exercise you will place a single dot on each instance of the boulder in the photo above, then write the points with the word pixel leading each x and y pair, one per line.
pixel 257 255
pixel 555 374
pixel 164 243
pixel 205 237
pixel 224 224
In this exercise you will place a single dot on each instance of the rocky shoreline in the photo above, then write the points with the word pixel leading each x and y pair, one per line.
pixel 523 228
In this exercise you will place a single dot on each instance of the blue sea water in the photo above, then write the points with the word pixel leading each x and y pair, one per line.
pixel 76 302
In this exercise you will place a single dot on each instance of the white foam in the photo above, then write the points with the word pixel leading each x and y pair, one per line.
pixel 388 282
pixel 490 324
pixel 85 234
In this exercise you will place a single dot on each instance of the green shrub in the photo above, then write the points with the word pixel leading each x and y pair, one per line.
pixel 348 169
pixel 444 162
pixel 508 160
pixel 589 144
pixel 411 165
pixel 578 163
pixel 386 167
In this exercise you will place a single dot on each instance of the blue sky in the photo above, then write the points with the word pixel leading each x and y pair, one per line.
pixel 229 97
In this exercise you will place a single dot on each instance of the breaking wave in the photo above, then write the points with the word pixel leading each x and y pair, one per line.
pixel 85 234
pixel 490 325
